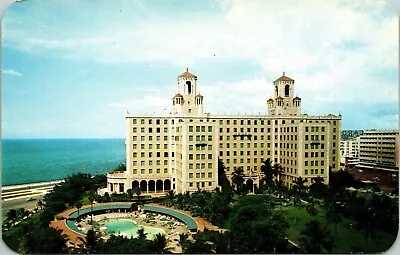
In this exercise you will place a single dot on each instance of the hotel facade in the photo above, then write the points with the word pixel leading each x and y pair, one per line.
pixel 180 151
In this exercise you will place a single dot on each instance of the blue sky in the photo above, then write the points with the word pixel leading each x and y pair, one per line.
pixel 71 69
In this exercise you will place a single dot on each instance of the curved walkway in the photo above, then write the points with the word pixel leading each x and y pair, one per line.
pixel 75 236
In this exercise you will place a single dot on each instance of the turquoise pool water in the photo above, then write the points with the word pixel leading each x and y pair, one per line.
pixel 129 228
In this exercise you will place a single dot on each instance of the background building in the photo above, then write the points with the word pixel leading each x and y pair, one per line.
pixel 349 152
pixel 379 150
pixel 180 150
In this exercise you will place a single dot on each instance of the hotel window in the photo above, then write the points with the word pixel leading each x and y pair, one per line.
pixel 209 147
pixel 150 162
pixel 209 156
pixel 165 162
pixel 197 165
pixel 165 146
pixel 135 154
pixel 322 163
pixel 158 162
pixel 190 147
pixel 142 146
pixel 190 166
pixel 322 171
pixel 135 163
pixel 203 129
pixel 190 138
pixel 165 121
pixel 142 171
pixel 150 138
pixel 142 121
pixel 190 175
pixel 306 138
pixel 134 121
pixel 142 154
pixel 190 156
pixel 134 130
pixel 241 160
pixel 197 175
pixel 322 137
pixel 135 146
pixel 306 154
pixel 190 184
pixel 197 128
pixel 190 128
pixel 312 171
pixel 134 171
pixel 209 128
pixel 165 170
pixel 306 163
pixel 203 165
pixel 306 171
pixel 134 138
pixel 150 146
pixel 142 163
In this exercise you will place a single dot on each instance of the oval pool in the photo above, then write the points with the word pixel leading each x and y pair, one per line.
pixel 129 228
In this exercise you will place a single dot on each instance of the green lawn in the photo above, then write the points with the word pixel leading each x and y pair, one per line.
pixel 347 237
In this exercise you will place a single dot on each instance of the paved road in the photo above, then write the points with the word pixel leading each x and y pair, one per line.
pixel 18 203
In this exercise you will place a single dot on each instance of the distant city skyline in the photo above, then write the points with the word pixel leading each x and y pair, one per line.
pixel 72 69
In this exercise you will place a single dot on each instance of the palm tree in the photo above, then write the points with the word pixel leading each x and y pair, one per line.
pixel 138 192
pixel 238 178
pixel 91 199
pixel 160 244
pixel 40 204
pixel 171 195
pixel 141 234
pixel 183 240
pixel 299 184
pixel 315 239
pixel 333 215
pixel 78 206
pixel 198 246
pixel 266 169
pixel 134 207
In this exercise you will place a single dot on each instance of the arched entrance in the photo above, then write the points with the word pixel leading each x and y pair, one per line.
pixel 135 184
pixel 159 186
pixel 152 186
pixel 143 186
pixel 167 185
pixel 250 185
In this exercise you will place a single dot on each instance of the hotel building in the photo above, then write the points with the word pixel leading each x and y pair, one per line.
pixel 180 150
pixel 379 150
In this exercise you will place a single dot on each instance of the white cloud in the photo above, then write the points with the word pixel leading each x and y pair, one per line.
pixel 337 51
pixel 12 72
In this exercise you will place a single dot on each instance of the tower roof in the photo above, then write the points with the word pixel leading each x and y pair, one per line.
pixel 284 78
pixel 297 98
pixel 270 100
pixel 188 74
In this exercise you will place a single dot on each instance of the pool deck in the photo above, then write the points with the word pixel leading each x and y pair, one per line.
pixel 74 237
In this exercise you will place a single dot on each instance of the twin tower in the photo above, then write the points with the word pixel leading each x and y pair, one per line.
pixel 188 101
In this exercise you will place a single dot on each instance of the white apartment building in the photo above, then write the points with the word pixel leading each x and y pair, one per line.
pixel 349 151
pixel 180 150
pixel 379 150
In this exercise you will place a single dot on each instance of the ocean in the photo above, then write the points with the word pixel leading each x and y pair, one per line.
pixel 38 160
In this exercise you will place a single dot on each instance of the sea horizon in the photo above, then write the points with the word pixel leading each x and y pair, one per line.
pixel 34 160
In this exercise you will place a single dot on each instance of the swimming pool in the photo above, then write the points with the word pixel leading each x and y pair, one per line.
pixel 129 228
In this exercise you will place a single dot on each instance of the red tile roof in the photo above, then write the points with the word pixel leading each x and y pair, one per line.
pixel 188 74
pixel 284 78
